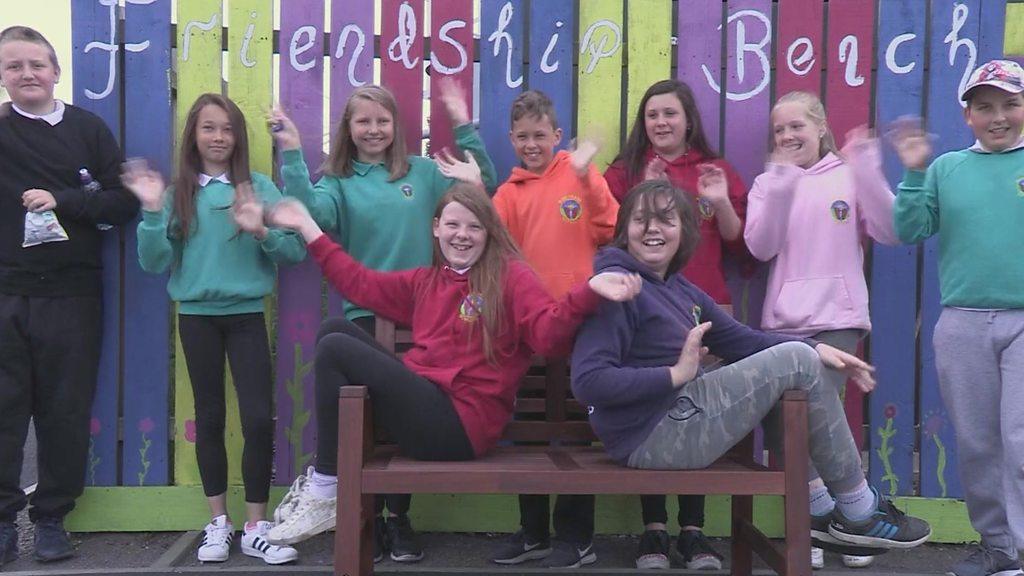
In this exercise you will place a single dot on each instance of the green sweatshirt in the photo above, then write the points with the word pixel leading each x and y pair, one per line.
pixel 385 225
pixel 974 201
pixel 219 270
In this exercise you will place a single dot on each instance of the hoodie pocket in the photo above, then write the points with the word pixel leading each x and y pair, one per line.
pixel 812 301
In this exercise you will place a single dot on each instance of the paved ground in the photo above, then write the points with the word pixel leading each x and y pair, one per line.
pixel 173 553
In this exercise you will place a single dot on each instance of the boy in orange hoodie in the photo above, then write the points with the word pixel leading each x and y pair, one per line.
pixel 559 210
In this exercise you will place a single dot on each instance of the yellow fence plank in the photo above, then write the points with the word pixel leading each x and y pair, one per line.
pixel 599 107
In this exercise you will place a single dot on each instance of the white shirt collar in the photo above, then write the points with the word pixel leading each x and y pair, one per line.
pixel 978 147
pixel 205 179
pixel 51 118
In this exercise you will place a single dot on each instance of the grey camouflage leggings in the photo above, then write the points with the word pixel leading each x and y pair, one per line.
pixel 718 409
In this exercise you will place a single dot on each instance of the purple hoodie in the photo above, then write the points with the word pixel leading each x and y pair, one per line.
pixel 621 360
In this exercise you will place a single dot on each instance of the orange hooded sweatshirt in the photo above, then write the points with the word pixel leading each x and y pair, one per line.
pixel 558 219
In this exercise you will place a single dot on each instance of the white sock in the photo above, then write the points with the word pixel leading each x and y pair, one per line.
pixel 822 502
pixel 323 486
pixel 858 504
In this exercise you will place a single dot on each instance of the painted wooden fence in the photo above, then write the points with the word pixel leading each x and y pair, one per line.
pixel 595 59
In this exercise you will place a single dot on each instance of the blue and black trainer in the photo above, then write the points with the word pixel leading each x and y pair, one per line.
pixel 886 527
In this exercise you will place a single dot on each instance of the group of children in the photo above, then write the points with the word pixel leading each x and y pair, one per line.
pixel 506 278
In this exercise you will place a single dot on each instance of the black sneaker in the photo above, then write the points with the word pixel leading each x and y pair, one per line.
pixel 519 548
pixel 886 527
pixel 653 550
pixel 8 542
pixel 52 542
pixel 569 555
pixel 696 551
pixel 820 538
pixel 986 561
pixel 379 539
pixel 401 540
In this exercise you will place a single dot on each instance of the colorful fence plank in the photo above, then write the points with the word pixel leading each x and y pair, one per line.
pixel 451 55
pixel 502 77
pixel 94 39
pixel 401 66
pixel 147 134
pixel 649 56
pixel 552 32
pixel 700 60
pixel 599 109
pixel 299 294
pixel 891 409
pixel 250 78
pixel 798 53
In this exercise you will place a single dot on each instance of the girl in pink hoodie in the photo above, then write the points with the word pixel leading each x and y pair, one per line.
pixel 809 214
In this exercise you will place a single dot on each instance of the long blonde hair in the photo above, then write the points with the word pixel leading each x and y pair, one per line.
pixel 815 110
pixel 343 149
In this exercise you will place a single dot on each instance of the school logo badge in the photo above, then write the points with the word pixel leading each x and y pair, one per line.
pixel 1020 187
pixel 707 210
pixel 840 211
pixel 406 190
pixel 570 208
pixel 696 312
pixel 471 308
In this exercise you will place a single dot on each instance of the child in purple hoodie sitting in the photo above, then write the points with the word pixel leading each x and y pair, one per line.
pixel 809 215
pixel 637 366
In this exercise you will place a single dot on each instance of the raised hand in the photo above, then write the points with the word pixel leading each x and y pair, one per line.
pixel 862 373
pixel 616 286
pixel 453 96
pixel 655 169
pixel 690 356
pixel 582 156
pixel 859 142
pixel 451 167
pixel 247 211
pixel 146 184
pixel 712 184
pixel 913 145
pixel 291 214
pixel 283 130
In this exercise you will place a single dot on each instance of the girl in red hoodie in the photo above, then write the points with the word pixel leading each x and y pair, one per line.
pixel 668 142
pixel 478 315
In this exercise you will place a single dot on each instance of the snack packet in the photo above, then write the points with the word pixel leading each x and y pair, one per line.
pixel 41 227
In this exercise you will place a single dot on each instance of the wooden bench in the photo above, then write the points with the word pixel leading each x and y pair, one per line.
pixel 366 468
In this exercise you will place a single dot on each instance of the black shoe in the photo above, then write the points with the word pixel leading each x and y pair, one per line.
pixel 52 542
pixel 653 550
pixel 401 540
pixel 820 538
pixel 986 561
pixel 886 527
pixel 569 555
pixel 696 551
pixel 519 548
pixel 8 542
pixel 379 539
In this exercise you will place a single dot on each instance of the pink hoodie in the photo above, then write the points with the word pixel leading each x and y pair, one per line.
pixel 813 222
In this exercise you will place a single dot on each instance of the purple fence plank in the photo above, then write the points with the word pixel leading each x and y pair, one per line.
pixel 700 58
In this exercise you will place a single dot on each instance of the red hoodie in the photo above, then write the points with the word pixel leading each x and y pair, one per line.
pixel 447 346
pixel 705 267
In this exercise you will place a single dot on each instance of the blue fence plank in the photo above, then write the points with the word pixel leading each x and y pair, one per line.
pixel 891 407
pixel 502 77
pixel 552 36
pixel 94 57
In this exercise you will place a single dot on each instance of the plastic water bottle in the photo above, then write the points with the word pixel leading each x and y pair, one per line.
pixel 91 186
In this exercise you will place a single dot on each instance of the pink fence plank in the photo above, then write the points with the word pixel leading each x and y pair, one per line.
pixel 451 54
pixel 798 53
pixel 401 63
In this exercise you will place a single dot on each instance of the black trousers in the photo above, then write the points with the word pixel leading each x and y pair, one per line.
pixel 573 517
pixel 414 412
pixel 49 359
pixel 691 510
pixel 205 339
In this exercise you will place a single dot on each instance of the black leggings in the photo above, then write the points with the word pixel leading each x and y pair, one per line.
pixel 204 340
pixel 414 412
pixel 691 510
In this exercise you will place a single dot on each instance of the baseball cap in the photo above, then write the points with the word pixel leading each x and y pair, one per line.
pixel 1003 74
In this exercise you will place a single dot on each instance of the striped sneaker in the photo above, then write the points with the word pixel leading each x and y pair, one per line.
pixel 886 527
pixel 216 542
pixel 254 543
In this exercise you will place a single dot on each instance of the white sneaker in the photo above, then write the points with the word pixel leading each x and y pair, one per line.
pixel 254 543
pixel 287 505
pixel 311 516
pixel 216 541
pixel 852 561
pixel 817 558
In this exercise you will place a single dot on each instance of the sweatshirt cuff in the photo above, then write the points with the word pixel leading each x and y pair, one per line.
pixel 293 156
pixel 913 179
pixel 153 219
pixel 464 130
pixel 584 300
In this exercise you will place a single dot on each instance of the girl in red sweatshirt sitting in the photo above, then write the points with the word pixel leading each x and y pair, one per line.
pixel 477 314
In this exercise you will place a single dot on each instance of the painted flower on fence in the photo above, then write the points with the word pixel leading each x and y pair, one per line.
pixel 95 427
pixel 933 423
pixel 146 426
pixel 190 431
pixel 884 450
pixel 302 328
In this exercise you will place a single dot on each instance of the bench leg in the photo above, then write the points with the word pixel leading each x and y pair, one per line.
pixel 797 506
pixel 353 539
pixel 742 553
